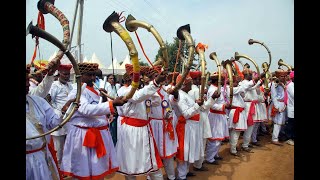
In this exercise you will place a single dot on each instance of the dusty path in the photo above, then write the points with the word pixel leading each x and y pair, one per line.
pixel 269 162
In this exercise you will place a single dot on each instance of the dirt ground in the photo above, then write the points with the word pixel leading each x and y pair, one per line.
pixel 268 162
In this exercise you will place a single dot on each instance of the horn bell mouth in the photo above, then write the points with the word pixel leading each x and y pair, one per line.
pixel 107 26
pixel 40 5
pixel 180 31
pixel 251 41
pixel 130 27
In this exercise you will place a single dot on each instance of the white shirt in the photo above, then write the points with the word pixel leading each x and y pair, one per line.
pixel 290 105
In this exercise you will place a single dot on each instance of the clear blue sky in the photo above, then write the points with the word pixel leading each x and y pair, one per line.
pixel 224 25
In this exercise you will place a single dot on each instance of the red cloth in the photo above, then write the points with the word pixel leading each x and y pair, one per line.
pixel 237 113
pixel 252 111
pixel 180 128
pixel 195 74
pixel 93 139
pixel 65 67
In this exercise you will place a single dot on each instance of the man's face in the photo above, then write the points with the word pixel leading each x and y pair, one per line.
pixel 282 78
pixel 89 78
pixel 64 76
pixel 111 79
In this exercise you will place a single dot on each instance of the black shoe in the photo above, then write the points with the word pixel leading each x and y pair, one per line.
pixel 218 158
pixel 256 143
pixel 200 169
pixel 189 174
pixel 250 146
pixel 213 163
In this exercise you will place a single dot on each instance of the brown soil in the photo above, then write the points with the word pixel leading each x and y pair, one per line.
pixel 268 162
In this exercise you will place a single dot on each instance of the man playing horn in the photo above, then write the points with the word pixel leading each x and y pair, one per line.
pixel 205 129
pixel 137 152
pixel 188 128
pixel 40 117
pixel 59 92
pixel 251 99
pixel 278 109
pixel 162 124
pixel 218 122
pixel 89 151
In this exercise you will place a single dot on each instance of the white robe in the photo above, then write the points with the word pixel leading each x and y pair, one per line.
pixel 238 101
pixel 59 93
pixel 135 146
pixel 82 161
pixel 277 95
pixel 251 95
pixel 218 122
pixel 290 105
pixel 43 88
pixel 166 146
pixel 185 106
pixel 36 164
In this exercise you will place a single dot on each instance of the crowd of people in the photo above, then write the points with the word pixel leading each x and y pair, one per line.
pixel 156 127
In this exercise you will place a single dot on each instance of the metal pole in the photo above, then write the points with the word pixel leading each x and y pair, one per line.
pixel 73 23
pixel 80 29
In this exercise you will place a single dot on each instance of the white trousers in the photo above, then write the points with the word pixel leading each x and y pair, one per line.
pixel 157 175
pixel 169 167
pixel 234 137
pixel 276 131
pixel 183 169
pixel 212 150
pixel 255 131
pixel 58 142
pixel 198 164
pixel 247 136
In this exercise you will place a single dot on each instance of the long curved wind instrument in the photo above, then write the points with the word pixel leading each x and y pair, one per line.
pixel 46 6
pixel 214 57
pixel 132 25
pixel 112 24
pixel 183 33
pixel 200 49
pixel 237 56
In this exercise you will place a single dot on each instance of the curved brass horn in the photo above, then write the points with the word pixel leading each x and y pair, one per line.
pixel 112 24
pixel 251 41
pixel 237 56
pixel 200 49
pixel 214 57
pixel 183 33
pixel 43 34
pixel 227 64
pixel 132 25
pixel 281 63
pixel 267 75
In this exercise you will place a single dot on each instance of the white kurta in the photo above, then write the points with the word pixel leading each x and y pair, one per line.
pixel 82 161
pixel 185 106
pixel 218 122
pixel 237 101
pixel 135 146
pixel 167 147
pixel 43 88
pixel 277 95
pixel 121 92
pixel 249 96
pixel 59 95
pixel 36 163
pixel 290 105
